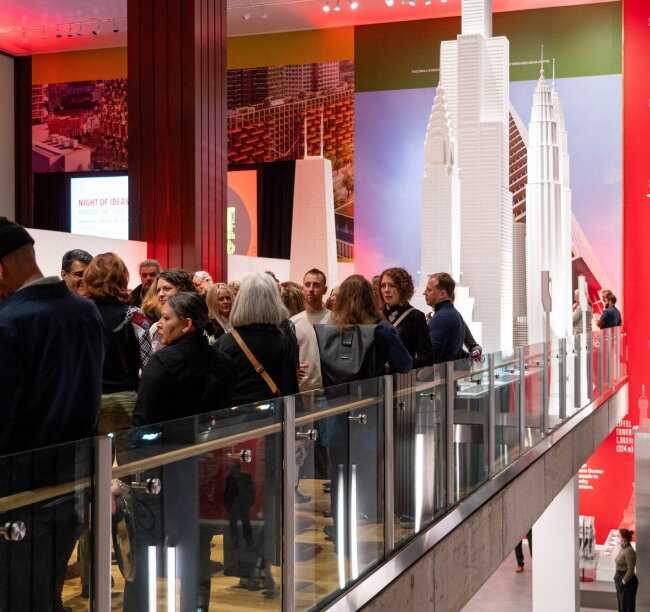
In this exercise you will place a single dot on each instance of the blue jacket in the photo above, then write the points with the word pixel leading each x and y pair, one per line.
pixel 51 359
pixel 447 332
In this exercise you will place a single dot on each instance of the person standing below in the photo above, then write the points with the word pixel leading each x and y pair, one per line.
pixel 149 270
pixel 611 316
pixel 446 326
pixel 314 288
pixel 73 265
pixel 168 283
pixel 625 578
pixel 396 289
pixel 519 552
pixel 51 360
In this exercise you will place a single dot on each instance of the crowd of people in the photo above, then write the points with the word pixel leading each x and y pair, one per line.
pixel 82 355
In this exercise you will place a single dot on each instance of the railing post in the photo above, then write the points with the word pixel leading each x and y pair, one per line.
pixel 600 347
pixel 589 364
pixel 544 411
pixel 389 467
pixel 491 416
pixel 449 425
pixel 101 525
pixel 521 364
pixel 288 514
pixel 561 349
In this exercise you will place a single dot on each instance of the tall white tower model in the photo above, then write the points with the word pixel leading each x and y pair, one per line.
pixel 474 73
pixel 440 196
pixel 548 214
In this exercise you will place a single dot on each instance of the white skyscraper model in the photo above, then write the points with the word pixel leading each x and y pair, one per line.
pixel 474 74
pixel 440 196
pixel 548 214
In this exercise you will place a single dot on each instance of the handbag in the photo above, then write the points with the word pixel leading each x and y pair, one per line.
pixel 403 316
pixel 257 366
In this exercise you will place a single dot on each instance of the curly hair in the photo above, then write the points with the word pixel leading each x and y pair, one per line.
pixel 179 278
pixel 402 280
pixel 106 277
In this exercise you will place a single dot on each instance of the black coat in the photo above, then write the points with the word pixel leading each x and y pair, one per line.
pixel 413 332
pixel 186 378
pixel 275 349
pixel 122 355
pixel 51 358
pixel 137 295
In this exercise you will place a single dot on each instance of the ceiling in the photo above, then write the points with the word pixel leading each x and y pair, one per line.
pixel 48 26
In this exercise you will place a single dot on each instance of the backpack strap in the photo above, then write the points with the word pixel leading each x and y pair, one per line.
pixel 257 366
pixel 403 316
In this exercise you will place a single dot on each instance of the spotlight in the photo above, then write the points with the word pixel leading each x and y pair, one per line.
pixel 95 30
pixel 427 2
pixel 70 31
pixel 58 32
pixel 246 16
pixel 411 2
pixel 23 37
pixel 390 2
pixel 326 6
pixel 80 31
pixel 115 28
pixel 354 5
pixel 337 6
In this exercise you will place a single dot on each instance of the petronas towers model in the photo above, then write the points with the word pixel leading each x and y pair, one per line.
pixel 548 214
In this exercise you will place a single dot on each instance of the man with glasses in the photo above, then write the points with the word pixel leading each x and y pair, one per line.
pixel 73 265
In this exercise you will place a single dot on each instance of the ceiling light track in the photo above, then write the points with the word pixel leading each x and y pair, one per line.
pixel 69 29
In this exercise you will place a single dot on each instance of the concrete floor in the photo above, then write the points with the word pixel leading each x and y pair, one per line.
pixel 507 591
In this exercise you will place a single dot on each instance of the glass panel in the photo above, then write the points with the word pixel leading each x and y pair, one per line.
pixel 339 514
pixel 51 566
pixel 419 433
pixel 597 364
pixel 575 368
pixel 471 414
pixel 534 393
pixel 506 396
pixel 211 537
pixel 554 387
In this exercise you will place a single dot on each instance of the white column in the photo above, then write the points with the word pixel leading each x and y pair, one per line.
pixel 313 233
pixel 555 554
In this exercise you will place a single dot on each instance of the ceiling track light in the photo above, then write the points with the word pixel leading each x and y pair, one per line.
pixel 326 6
pixel 354 5
pixel 390 2
pixel 337 6
pixel 116 29
pixel 411 2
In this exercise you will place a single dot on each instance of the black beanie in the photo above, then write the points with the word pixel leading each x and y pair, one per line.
pixel 12 236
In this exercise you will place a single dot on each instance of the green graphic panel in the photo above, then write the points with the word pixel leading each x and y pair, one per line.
pixel 584 41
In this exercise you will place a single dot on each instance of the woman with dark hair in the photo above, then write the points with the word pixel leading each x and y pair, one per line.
pixel 168 283
pixel 396 289
pixel 105 282
pixel 186 376
pixel 625 578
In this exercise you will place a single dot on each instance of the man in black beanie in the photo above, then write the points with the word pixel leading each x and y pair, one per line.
pixel 51 360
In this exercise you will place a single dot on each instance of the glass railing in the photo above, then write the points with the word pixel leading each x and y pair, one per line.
pixel 282 504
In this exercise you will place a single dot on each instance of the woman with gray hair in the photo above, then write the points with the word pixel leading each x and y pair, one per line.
pixel 261 344
pixel 264 352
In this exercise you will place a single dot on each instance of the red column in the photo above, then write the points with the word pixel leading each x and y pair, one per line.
pixel 177 131
pixel 636 194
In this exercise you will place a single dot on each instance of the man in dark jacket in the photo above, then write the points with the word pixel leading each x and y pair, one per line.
pixel 446 326
pixel 149 270
pixel 51 356
pixel 611 316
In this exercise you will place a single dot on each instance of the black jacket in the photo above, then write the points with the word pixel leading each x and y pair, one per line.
pixel 275 349
pixel 122 356
pixel 413 332
pixel 447 332
pixel 51 358
pixel 137 295
pixel 186 378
